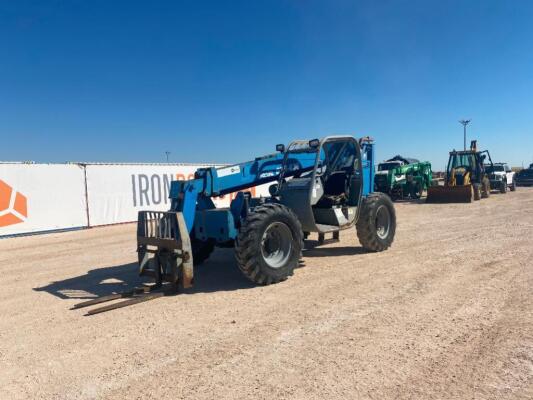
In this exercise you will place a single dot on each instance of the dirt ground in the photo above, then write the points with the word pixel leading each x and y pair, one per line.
pixel 446 313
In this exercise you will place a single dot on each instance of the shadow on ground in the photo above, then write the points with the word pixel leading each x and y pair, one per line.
pixel 411 201
pixel 312 249
pixel 219 273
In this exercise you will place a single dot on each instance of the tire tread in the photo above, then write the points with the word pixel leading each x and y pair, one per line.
pixel 247 252
pixel 366 231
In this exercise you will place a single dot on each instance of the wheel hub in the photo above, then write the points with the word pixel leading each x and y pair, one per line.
pixel 276 244
pixel 383 221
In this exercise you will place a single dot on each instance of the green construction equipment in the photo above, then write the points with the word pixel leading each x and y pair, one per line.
pixel 403 178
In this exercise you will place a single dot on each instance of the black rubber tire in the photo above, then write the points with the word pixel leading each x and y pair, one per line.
pixel 417 190
pixel 201 250
pixel 395 197
pixel 366 224
pixel 512 188
pixel 477 191
pixel 248 252
pixel 485 188
pixel 503 187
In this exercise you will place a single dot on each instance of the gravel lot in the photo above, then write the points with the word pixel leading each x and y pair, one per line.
pixel 446 313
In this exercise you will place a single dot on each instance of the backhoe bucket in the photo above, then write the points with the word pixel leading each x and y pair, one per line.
pixel 450 194
pixel 164 248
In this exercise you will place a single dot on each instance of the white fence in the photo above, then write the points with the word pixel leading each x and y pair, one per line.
pixel 44 197
pixel 117 192
pixel 39 197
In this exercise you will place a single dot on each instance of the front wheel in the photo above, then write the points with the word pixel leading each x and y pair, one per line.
pixel 513 186
pixel 485 188
pixel 201 250
pixel 269 244
pixel 376 225
pixel 503 187
pixel 476 187
pixel 417 189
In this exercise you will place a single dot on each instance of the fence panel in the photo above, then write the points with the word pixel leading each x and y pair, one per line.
pixel 41 197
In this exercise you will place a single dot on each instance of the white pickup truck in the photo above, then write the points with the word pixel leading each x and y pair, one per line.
pixel 501 177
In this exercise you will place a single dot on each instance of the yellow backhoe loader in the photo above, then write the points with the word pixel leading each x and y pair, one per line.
pixel 466 178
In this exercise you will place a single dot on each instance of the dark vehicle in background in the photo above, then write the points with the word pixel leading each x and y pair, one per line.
pixel 525 177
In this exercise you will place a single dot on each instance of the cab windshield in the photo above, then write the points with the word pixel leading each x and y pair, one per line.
pixel 339 155
pixel 299 158
pixel 461 160
pixel 335 155
pixel 495 168
pixel 388 166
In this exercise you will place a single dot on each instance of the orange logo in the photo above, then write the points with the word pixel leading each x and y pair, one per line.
pixel 13 205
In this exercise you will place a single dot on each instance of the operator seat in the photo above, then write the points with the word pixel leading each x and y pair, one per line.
pixel 335 184
pixel 334 190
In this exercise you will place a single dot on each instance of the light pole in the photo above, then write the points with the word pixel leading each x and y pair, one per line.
pixel 464 122
pixel 167 153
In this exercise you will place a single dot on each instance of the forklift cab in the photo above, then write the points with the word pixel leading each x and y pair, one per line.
pixel 325 198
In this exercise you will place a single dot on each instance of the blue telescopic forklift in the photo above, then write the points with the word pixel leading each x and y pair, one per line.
pixel 320 185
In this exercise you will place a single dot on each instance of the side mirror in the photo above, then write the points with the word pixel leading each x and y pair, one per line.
pixel 273 189
pixel 314 143
pixel 280 148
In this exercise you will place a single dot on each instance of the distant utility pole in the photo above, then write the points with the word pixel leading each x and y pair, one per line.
pixel 464 122
pixel 167 153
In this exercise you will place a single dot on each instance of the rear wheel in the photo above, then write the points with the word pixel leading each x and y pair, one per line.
pixel 477 191
pixel 485 188
pixel 269 244
pixel 417 189
pixel 376 225
pixel 201 250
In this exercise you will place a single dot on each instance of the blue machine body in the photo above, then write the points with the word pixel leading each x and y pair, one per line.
pixel 367 160
pixel 193 198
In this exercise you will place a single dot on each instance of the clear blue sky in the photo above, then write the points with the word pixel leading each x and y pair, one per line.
pixel 224 81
